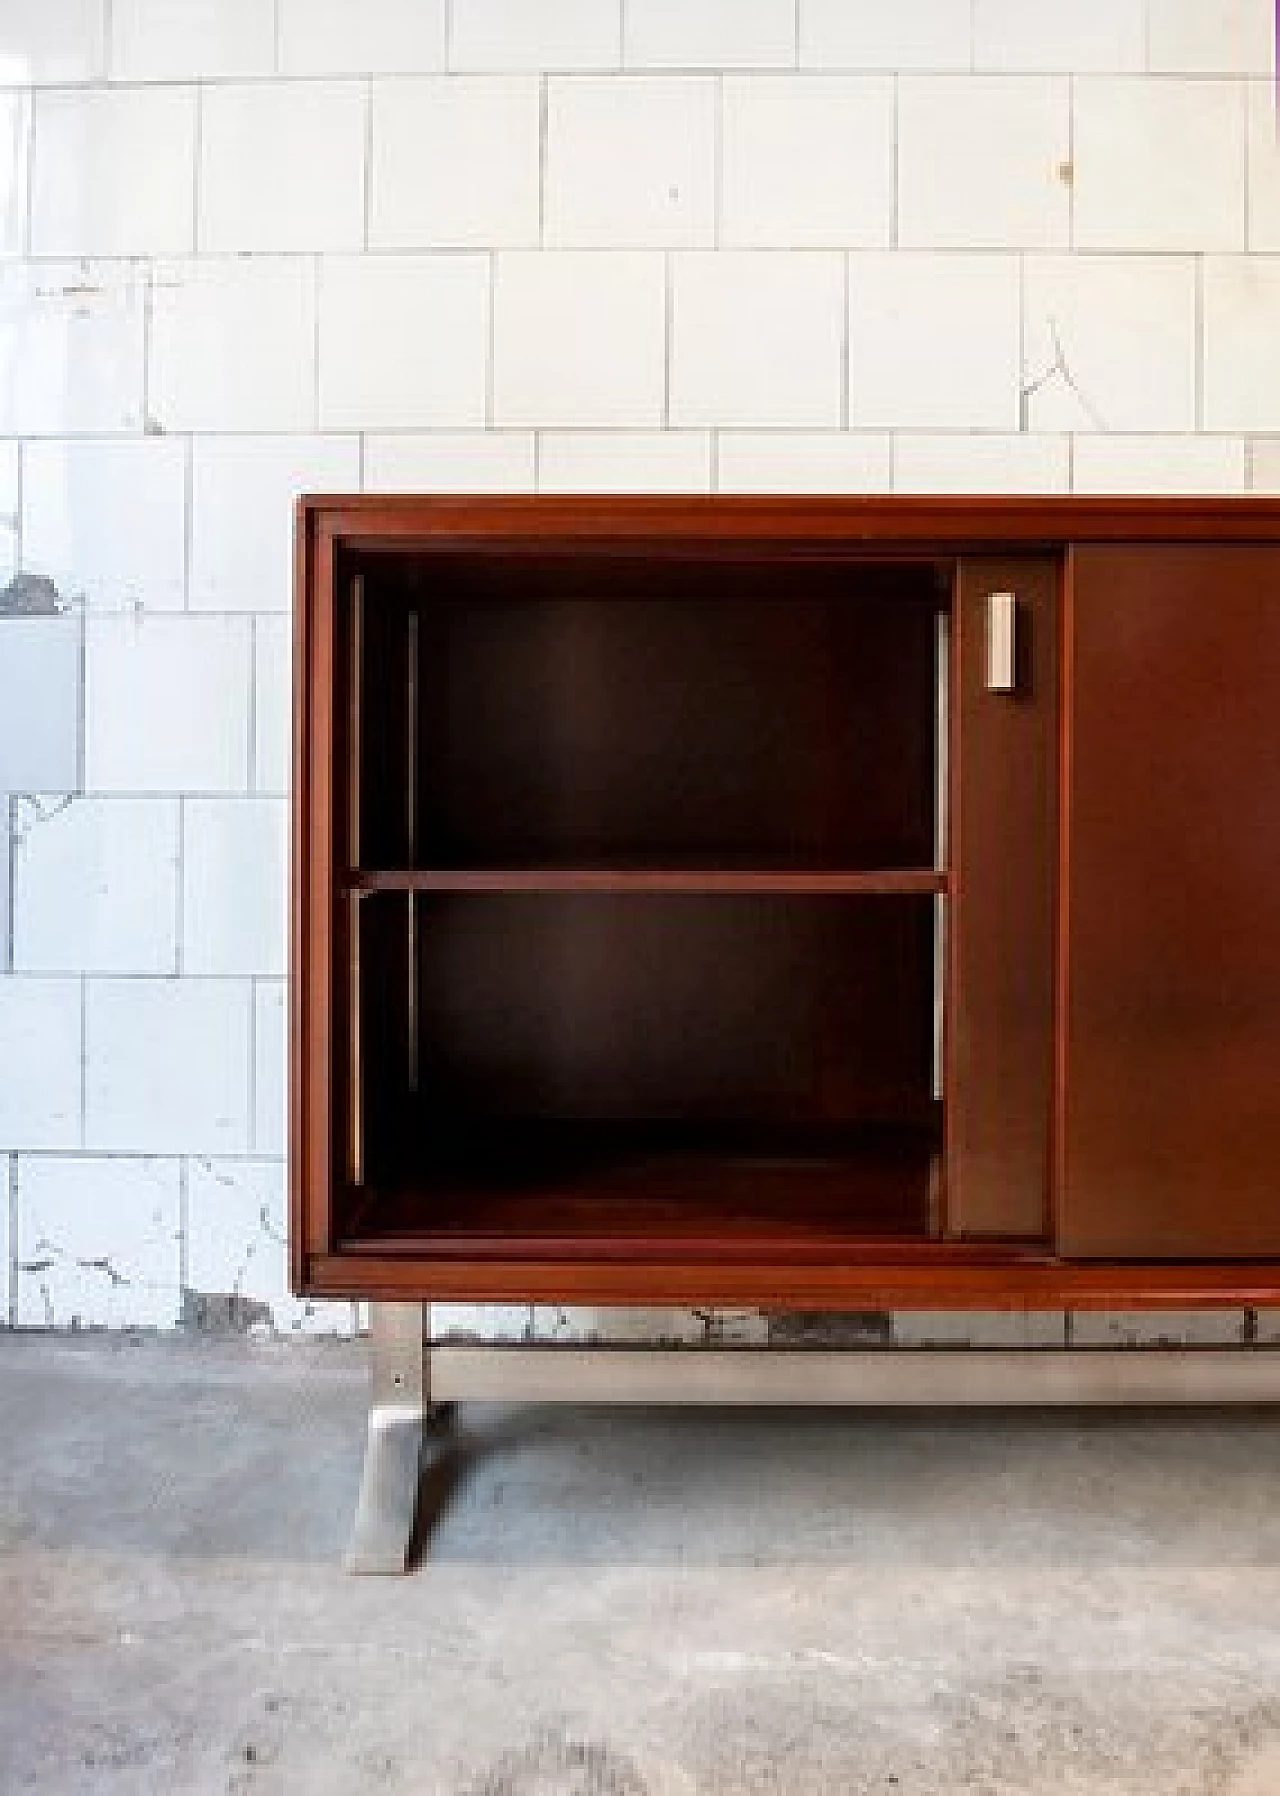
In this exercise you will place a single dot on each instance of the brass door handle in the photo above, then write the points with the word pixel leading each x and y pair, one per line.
pixel 1002 645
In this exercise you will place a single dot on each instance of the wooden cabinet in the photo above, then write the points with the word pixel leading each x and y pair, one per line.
pixel 823 903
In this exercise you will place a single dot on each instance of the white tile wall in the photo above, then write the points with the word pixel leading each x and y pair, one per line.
pixel 807 161
pixel 167 704
pixel 106 520
pixel 358 37
pixel 578 338
pixel 1159 165
pixel 272 704
pixel 910 34
pixel 487 125
pixel 796 461
pixel 95 885
pixel 983 162
pixel 71 348
pixel 15 137
pixel 449 461
pixel 178 40
pixel 964 462
pixel 630 161
pixel 1154 464
pixel 242 502
pixel 1098 36
pixel 604 461
pixel 113 172
pixel 99 1243
pixel 234 885
pixel 1241 323
pixel 1264 166
pixel 933 341
pixel 252 247
pixel 1211 36
pixel 535 34
pixel 756 338
pixel 51 40
pixel 167 1065
pixel 403 340
pixel 40 1049
pixel 270 1022
pixel 282 166
pixel 1109 343
pixel 232 344
pixel 709 33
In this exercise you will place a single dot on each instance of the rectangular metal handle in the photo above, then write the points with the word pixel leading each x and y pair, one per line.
pixel 1002 646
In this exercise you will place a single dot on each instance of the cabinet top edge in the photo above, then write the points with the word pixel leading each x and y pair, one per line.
pixel 711 520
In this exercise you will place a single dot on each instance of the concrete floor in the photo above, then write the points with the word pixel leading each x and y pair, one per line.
pixel 622 1604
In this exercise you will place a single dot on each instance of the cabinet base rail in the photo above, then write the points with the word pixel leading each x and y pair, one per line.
pixel 415 1384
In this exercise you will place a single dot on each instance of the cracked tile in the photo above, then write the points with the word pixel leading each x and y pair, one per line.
pixel 98 1242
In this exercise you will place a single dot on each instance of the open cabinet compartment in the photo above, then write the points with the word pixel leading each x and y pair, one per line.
pixel 645 880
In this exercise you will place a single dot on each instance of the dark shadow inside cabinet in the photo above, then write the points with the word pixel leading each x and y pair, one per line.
pixel 644 902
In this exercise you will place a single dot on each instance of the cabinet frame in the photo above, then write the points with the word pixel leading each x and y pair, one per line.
pixel 931 1273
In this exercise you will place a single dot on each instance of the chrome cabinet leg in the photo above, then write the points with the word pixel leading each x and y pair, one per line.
pixel 399 1412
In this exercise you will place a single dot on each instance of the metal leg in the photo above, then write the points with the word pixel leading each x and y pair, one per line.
pixel 399 1411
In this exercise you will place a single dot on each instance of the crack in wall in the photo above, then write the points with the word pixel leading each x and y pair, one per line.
pixel 1059 369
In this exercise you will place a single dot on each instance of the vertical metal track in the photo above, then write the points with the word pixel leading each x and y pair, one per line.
pixel 411 839
pixel 355 1064
pixel 941 776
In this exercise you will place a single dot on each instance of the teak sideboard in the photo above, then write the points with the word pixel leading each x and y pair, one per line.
pixel 803 903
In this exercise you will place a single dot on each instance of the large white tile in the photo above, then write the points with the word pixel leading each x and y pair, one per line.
pixel 631 160
pixel 741 34
pixel 99 1243
pixel 242 503
pixel 40 703
pixel 982 161
pixel 579 338
pixel 966 462
pixel 756 338
pixel 15 135
pixel 282 165
pixel 807 160
pixel 113 172
pixel 167 704
pixel 1155 464
pixel 1264 166
pixel 1158 165
pixel 106 520
pixel 234 885
pixel 1265 470
pixel 933 341
pixel 1211 37
pixel 51 40
pixel 167 1065
pixel 361 37
pixel 777 461
pixel 270 1057
pixel 71 348
pixel 909 34
pixel 615 461
pixel 236 1246
pixel 179 40
pixel 403 341
pixel 272 703
pixel 95 885
pixel 1241 331
pixel 40 1053
pixel 1086 36
pixel 1109 343
pixel 232 344
pixel 455 162
pixel 10 509
pixel 449 461
pixel 535 34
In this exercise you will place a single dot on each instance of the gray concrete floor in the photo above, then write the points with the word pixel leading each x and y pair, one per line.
pixel 616 1603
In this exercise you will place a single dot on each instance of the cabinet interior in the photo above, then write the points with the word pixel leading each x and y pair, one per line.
pixel 645 880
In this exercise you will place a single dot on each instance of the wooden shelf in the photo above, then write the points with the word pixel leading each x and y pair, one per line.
pixel 888 881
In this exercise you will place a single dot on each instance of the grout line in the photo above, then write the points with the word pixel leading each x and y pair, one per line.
pixel 13 1241
pixel 1024 398
pixel 184 1224
pixel 84 1062
pixel 10 823
pixel 366 186
pixel 197 129
pixel 252 718
pixel 1071 164
pixel 717 165
pixel 1246 108
pixel 1198 347
pixel 317 275
pixel 845 344
pixel 795 34
pixel 490 348
pixel 252 1118
pixel 893 183
pixel 448 35
pixel 622 34
pixel 668 315
pixel 188 517
pixel 28 221
pixel 537 461
pixel 108 28
pixel 714 458
pixel 82 700
pixel 276 37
